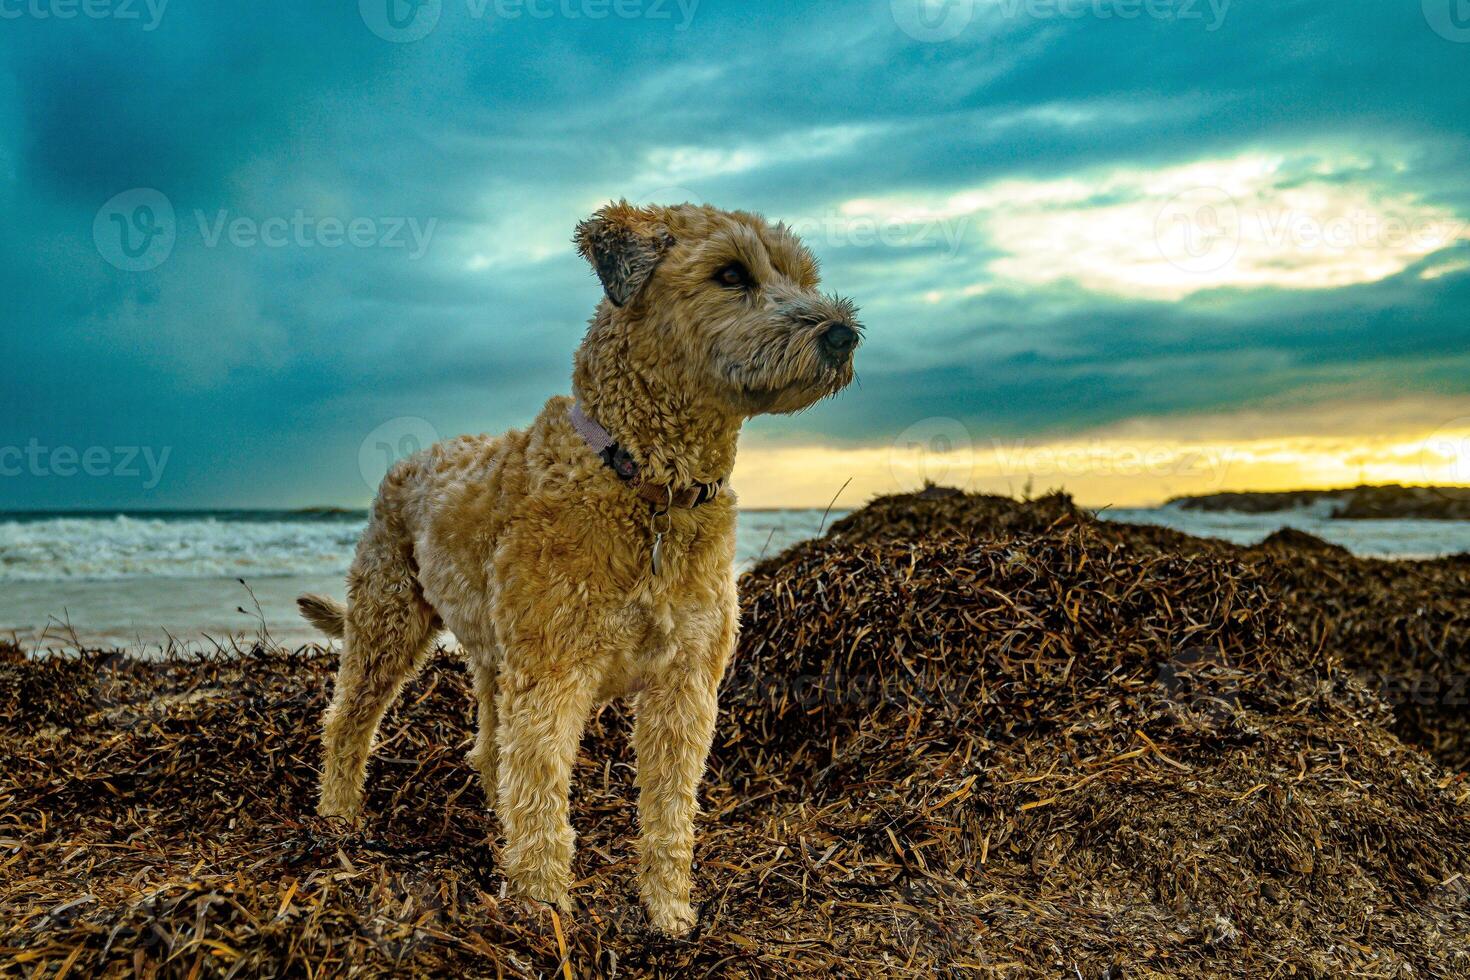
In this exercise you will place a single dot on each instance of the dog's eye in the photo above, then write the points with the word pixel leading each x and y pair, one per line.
pixel 734 276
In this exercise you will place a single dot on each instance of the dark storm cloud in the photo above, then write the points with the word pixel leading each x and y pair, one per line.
pixel 263 361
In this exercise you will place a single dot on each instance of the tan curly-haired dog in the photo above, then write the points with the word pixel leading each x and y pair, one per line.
pixel 592 555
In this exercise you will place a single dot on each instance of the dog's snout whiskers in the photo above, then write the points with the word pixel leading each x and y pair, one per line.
pixel 821 313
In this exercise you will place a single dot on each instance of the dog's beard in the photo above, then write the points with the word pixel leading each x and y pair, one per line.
pixel 784 401
pixel 783 370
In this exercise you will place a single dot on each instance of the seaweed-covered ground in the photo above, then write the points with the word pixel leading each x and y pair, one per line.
pixel 1402 627
pixel 963 736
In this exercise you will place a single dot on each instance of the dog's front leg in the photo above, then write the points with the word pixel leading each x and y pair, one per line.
pixel 543 708
pixel 672 733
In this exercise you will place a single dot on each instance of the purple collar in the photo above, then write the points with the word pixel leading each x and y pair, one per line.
pixel 621 462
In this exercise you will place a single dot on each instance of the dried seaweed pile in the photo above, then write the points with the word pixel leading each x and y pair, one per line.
pixel 1023 746
pixel 1402 626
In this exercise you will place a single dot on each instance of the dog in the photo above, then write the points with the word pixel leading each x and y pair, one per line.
pixel 591 555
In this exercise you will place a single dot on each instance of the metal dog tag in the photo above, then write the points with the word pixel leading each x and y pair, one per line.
pixel 660 523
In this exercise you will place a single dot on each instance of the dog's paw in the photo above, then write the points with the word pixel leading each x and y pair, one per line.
pixel 351 814
pixel 672 918
pixel 561 903
pixel 547 893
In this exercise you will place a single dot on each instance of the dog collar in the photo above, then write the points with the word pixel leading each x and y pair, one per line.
pixel 622 463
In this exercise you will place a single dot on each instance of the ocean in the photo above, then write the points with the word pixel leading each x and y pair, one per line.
pixel 139 580
pixel 1369 539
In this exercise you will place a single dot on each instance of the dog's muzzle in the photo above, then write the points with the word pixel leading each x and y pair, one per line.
pixel 838 340
pixel 832 318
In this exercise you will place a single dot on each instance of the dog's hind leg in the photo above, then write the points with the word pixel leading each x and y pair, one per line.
pixel 388 628
pixel 484 660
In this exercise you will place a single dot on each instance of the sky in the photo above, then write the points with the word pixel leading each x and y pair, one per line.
pixel 1133 248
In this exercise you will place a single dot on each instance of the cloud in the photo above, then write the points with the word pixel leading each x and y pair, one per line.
pixel 993 201
pixel 1253 221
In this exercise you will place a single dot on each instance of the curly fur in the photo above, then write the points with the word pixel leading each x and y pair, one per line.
pixel 537 557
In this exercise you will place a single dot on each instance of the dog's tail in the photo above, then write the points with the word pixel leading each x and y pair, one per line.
pixel 326 614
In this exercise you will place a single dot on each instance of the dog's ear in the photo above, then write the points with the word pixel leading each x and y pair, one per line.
pixel 624 243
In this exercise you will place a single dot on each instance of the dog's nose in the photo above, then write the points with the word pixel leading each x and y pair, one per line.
pixel 839 338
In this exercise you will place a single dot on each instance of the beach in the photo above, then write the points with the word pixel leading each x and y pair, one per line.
pixel 144 581
pixel 962 734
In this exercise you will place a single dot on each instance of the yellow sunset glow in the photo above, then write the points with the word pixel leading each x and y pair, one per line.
pixel 1130 465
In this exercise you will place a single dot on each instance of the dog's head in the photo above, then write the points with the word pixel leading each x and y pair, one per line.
pixel 727 302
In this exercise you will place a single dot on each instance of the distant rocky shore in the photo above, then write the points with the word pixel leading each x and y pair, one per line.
pixel 1360 503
